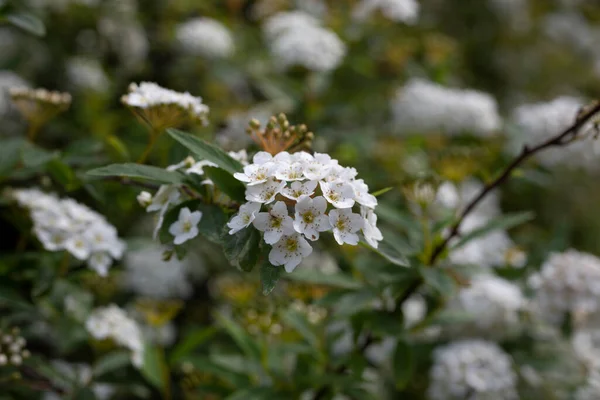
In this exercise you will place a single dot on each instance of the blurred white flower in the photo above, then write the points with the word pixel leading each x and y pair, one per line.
pixel 591 389
pixel 112 322
pixel 296 38
pixel 414 310
pixel 536 123
pixel 9 80
pixel 87 74
pixel 425 107
pixel 568 282
pixel 148 275
pixel 472 369
pixel 493 305
pixel 64 224
pixel 406 11
pixel 205 37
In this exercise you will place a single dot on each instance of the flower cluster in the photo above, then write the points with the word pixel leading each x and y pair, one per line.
pixel 38 106
pixel 8 80
pixel 65 224
pixel 205 37
pixel 113 323
pixel 472 369
pixel 169 196
pixel 538 122
pixel 493 305
pixel 164 108
pixel 568 282
pixel 320 194
pixel 406 11
pixel 297 38
pixel 12 348
pixel 425 107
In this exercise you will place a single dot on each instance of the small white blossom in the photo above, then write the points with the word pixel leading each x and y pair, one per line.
pixel 144 199
pixel 297 189
pixel 244 217
pixel 264 192
pixel 406 11
pixel 274 223
pixel 310 217
pixel 345 224
pixel 472 369
pixel 289 251
pixel 166 195
pixel 186 226
pixel 318 167
pixel 370 231
pixel 198 167
pixel 255 174
pixel 362 195
pixel 290 171
pixel 340 194
pixel 205 37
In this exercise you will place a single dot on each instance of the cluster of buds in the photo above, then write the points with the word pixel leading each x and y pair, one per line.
pixel 161 108
pixel 314 314
pixel 421 195
pixel 265 322
pixel 278 135
pixel 12 348
pixel 38 106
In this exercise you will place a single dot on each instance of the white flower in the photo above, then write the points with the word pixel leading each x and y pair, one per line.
pixel 244 217
pixel 289 251
pixel 186 226
pixel 424 107
pixel 298 189
pixel 264 192
pixel 406 11
pixel 290 172
pixel 310 218
pixel 262 157
pixel 144 199
pixel 255 174
pixel 113 323
pixel 362 195
pixel 166 195
pixel 198 168
pixel 274 223
pixel 283 22
pixel 370 231
pixel 472 369
pixel 205 37
pixel 340 194
pixel 100 262
pixel 318 167
pixel 87 74
pixel 345 225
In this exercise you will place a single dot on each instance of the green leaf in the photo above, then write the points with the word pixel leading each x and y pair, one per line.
pixel 258 393
pixel 403 364
pixel 302 326
pixel 27 22
pixel 206 151
pixel 212 222
pixel 190 342
pixel 34 156
pixel 503 222
pixel 138 171
pixel 111 362
pixel 242 249
pixel 62 173
pixel 154 367
pixel 9 154
pixel 354 302
pixel 269 275
pixel 317 277
pixel 382 191
pixel 388 251
pixel 244 341
pixel 438 279
pixel 204 364
pixel 226 183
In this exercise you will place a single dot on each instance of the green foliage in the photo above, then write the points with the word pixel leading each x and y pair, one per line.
pixel 137 171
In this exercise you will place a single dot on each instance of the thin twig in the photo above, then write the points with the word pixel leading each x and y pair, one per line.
pixel 562 139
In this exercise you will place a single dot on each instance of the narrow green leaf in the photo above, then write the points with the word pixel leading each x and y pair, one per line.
pixel 388 251
pixel 439 279
pixel 242 249
pixel 302 326
pixel 269 276
pixel 403 364
pixel 258 393
pixel 244 341
pixel 226 183
pixel 154 367
pixel 9 154
pixel 503 222
pixel 204 364
pixel 111 362
pixel 317 277
pixel 382 191
pixel 34 156
pixel 27 22
pixel 206 151
pixel 190 342
pixel 138 171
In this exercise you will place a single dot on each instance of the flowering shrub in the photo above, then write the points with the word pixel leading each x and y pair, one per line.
pixel 299 199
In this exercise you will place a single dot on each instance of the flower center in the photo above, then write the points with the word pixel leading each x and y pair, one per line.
pixel 308 217
pixel 333 195
pixel 187 226
pixel 340 224
pixel 268 194
pixel 291 245
pixel 276 222
pixel 246 218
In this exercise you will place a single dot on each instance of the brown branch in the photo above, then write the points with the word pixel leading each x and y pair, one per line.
pixel 562 139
